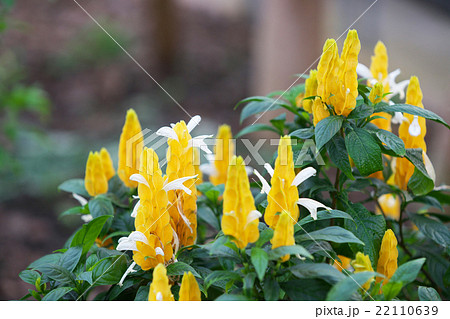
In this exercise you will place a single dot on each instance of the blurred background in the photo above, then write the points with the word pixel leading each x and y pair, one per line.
pixel 65 85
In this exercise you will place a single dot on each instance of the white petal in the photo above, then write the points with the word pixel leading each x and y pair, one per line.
pixel 129 270
pixel 193 123
pixel 363 71
pixel 399 88
pixel 303 175
pixel 199 142
pixel 254 214
pixel 311 205
pixel 178 184
pixel 138 236
pixel 127 245
pixel 392 76
pixel 210 157
pixel 398 118
pixel 176 242
pixel 185 219
pixel 208 169
pixel 87 218
pixel 249 170
pixel 167 132
pixel 140 179
pixel 80 199
pixel 135 209
pixel 159 296
pixel 159 251
pixel 265 186
pixel 414 128
pixel 269 169
pixel 429 167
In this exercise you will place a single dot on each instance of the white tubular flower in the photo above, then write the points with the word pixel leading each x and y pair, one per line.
pixel 312 205
pixel 128 271
pixel 208 169
pixel 193 123
pixel 167 132
pixel 414 127
pixel 80 199
pixel 129 243
pixel 253 215
pixel 199 142
pixel 429 167
pixel 135 209
pixel 265 186
pixel 303 175
pixel 178 184
pixel 140 179
pixel 398 118
pixel 86 218
pixel 183 217
pixel 269 169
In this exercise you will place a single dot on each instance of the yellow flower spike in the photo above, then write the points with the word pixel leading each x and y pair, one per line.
pixel 390 204
pixel 319 110
pixel 310 90
pixel 197 170
pixel 327 71
pixel 224 151
pixel 160 288
pixel 189 290
pixel 387 260
pixel 360 264
pixel 379 65
pixel 283 234
pixel 416 125
pixel 376 94
pixel 107 163
pixel 95 180
pixel 344 263
pixel 283 196
pixel 240 218
pixel 180 163
pixel 130 148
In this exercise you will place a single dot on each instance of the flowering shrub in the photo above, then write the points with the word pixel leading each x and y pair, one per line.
pixel 305 233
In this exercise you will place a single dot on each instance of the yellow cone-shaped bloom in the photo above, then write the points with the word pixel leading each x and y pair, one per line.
pixel 387 260
pixel 379 65
pixel 390 204
pixel 319 110
pixel 130 148
pixel 240 218
pixel 360 264
pixel 404 168
pixel 152 218
pixel 343 264
pixel 337 81
pixel 283 195
pixel 180 163
pixel 283 234
pixel 160 288
pixel 223 152
pixel 189 290
pixel 107 163
pixel 310 90
pixel 95 180
pixel 376 94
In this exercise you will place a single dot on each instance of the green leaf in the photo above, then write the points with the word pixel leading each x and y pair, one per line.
pixel 392 142
pixel 100 206
pixel 369 228
pixel 428 294
pixel 303 133
pixel 279 252
pixel 29 276
pixel 278 122
pixel 71 257
pixel 335 234
pixel 313 270
pixel 420 182
pixel 72 211
pixel 264 237
pixel 221 275
pixel 57 294
pixel 256 128
pixel 255 107
pixel 87 235
pixel 404 275
pixel 57 273
pixel 249 282
pixel 109 270
pixel 360 112
pixel 179 268
pixel 47 259
pixel 344 289
pixel 326 129
pixel 142 293
pixel 86 276
pixel 338 154
pixel 432 228
pixel 271 289
pixel 232 297
pixel 91 261
pixel 410 109
pixel 74 186
pixel 322 215
pixel 364 151
pixel 206 214
pixel 314 289
pixel 260 260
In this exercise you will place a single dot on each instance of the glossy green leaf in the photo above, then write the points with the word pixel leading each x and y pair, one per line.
pixel 260 260
pixel 364 151
pixel 326 129
pixel 335 234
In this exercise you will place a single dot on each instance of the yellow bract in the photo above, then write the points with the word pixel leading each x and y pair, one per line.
pixel 283 234
pixel 189 290
pixel 238 206
pixel 390 204
pixel 223 152
pixel 379 65
pixel 387 260
pixel 404 168
pixel 180 163
pixel 160 288
pixel 343 264
pixel 107 163
pixel 360 264
pixel 130 148
pixel 310 90
pixel 152 218
pixel 95 180
pixel 337 81
pixel 283 195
